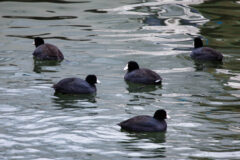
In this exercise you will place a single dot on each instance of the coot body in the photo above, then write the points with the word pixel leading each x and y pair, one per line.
pixel 204 53
pixel 77 85
pixel 145 123
pixel 46 51
pixel 141 75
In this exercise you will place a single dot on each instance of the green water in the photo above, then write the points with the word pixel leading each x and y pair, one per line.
pixel 100 37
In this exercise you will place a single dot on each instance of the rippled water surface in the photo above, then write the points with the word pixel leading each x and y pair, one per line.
pixel 100 37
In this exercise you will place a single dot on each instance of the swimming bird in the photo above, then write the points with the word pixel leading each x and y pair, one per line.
pixel 77 85
pixel 204 53
pixel 46 51
pixel 145 123
pixel 141 75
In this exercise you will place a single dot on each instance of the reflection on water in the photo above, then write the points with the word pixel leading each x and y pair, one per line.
pixel 152 143
pixel 95 11
pixel 28 36
pixel 39 1
pixel 41 18
pixel 70 26
pixel 223 16
pixel 222 32
pixel 53 37
pixel 45 66
pixel 133 87
pixel 72 101
pixel 203 66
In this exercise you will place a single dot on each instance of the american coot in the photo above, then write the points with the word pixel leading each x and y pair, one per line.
pixel 146 123
pixel 77 85
pixel 46 51
pixel 141 75
pixel 204 53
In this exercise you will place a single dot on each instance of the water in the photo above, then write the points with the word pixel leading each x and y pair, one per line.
pixel 100 36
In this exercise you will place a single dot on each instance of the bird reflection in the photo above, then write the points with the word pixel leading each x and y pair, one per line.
pixel 133 87
pixel 41 66
pixel 204 65
pixel 74 100
pixel 141 142
pixel 142 94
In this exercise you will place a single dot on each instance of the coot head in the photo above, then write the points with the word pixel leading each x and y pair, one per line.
pixel 38 41
pixel 198 42
pixel 92 79
pixel 160 114
pixel 131 66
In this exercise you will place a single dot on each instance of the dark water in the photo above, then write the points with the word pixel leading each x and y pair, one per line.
pixel 100 36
